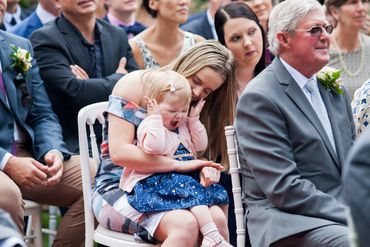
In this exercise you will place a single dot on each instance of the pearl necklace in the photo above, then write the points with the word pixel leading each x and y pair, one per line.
pixel 342 62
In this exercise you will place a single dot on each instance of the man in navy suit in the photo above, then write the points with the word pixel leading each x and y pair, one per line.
pixel 80 58
pixel 34 162
pixel 46 11
pixel 203 23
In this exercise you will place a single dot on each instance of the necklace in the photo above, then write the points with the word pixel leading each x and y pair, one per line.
pixel 344 65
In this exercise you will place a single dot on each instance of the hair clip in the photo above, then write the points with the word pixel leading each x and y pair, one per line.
pixel 172 87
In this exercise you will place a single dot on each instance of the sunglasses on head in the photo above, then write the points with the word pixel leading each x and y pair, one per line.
pixel 317 30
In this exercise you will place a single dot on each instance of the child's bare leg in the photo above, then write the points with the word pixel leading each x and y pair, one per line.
pixel 219 216
pixel 178 228
pixel 208 228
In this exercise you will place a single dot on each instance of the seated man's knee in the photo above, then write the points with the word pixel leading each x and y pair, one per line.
pixel 11 202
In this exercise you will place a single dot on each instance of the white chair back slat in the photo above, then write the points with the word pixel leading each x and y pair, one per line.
pixel 232 151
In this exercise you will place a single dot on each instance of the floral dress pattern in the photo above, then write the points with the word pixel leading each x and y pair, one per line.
pixel 168 191
pixel 361 107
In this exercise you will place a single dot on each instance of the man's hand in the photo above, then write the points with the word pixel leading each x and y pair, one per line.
pixel 79 72
pixel 122 66
pixel 55 167
pixel 26 172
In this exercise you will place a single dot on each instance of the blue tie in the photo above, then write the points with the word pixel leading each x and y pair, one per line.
pixel 133 29
pixel 320 109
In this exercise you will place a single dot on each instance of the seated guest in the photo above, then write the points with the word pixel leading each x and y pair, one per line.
pixel 14 14
pixel 203 23
pixel 356 187
pixel 9 234
pixel 122 14
pixel 361 107
pixel 239 29
pixel 34 162
pixel 292 152
pixel 153 48
pixel 46 11
pixel 80 58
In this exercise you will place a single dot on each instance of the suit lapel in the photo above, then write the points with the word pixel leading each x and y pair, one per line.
pixel 296 94
pixel 13 95
pixel 327 99
pixel 106 44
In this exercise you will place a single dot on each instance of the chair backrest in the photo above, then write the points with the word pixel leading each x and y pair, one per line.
pixel 86 119
pixel 232 152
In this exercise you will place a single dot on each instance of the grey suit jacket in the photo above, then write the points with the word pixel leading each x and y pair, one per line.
pixel 356 183
pixel 291 173
pixel 37 121
pixel 58 45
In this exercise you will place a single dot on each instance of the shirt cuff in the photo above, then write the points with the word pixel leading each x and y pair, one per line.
pixel 4 160
pixel 58 153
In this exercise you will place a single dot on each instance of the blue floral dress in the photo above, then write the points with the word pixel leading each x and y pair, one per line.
pixel 168 191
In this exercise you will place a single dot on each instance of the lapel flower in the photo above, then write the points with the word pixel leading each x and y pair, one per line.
pixel 21 64
pixel 21 59
pixel 330 78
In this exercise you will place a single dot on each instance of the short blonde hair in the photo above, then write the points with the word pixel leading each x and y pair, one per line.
pixel 159 83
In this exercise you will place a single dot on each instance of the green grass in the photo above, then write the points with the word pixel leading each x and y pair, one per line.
pixel 45 224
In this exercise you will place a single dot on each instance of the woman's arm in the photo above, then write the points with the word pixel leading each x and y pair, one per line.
pixel 121 136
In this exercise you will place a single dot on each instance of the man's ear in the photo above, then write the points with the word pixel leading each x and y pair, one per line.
pixel 283 39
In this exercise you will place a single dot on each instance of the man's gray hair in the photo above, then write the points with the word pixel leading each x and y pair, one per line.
pixel 285 17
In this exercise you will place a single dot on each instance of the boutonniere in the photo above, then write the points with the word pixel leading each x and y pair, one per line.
pixel 330 78
pixel 21 59
pixel 21 64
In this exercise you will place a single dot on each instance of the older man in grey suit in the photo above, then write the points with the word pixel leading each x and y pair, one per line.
pixel 293 139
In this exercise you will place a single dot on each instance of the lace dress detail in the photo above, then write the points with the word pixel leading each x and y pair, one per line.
pixel 148 59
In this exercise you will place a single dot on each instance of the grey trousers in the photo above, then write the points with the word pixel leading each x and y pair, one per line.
pixel 328 236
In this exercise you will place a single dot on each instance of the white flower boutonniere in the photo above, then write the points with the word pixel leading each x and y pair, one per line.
pixel 21 59
pixel 330 79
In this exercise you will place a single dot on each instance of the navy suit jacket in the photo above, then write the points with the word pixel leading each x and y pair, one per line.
pixel 37 121
pixel 200 26
pixel 57 45
pixel 27 26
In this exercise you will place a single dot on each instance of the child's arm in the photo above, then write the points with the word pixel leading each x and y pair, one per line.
pixel 151 133
pixel 197 130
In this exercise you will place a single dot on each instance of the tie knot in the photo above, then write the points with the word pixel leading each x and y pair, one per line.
pixel 311 86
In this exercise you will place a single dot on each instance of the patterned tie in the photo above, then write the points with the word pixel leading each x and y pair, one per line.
pixel 320 109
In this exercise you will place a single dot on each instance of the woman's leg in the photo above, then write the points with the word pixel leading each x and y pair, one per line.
pixel 178 228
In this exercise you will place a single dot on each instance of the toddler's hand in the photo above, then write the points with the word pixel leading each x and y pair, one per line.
pixel 151 106
pixel 195 110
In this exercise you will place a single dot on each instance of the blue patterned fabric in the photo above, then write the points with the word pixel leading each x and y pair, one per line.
pixel 168 191
pixel 361 107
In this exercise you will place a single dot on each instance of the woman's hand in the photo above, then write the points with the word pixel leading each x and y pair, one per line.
pixel 195 165
pixel 196 110
pixel 209 176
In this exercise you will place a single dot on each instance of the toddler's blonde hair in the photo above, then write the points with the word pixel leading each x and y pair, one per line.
pixel 159 83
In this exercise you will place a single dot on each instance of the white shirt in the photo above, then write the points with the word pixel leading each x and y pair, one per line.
pixel 44 15
pixel 299 78
pixel 8 17
pixel 211 22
